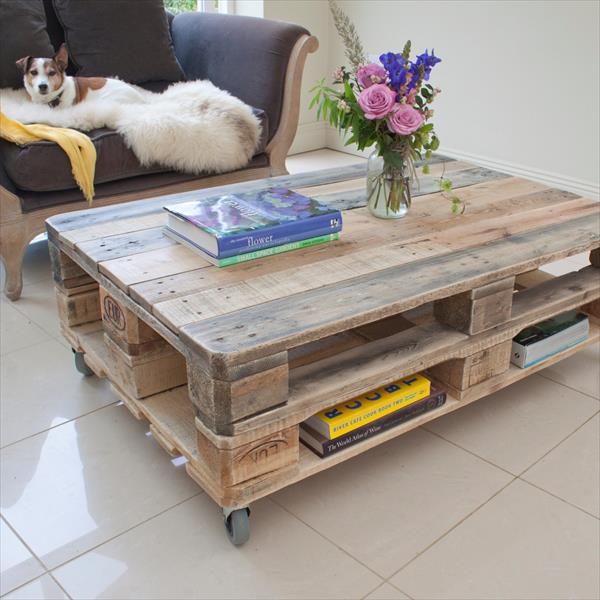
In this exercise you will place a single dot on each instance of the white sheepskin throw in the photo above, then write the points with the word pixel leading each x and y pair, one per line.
pixel 192 126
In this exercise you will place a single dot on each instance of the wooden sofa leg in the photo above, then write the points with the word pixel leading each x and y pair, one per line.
pixel 14 245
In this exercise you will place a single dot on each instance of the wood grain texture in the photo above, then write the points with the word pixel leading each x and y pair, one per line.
pixel 357 370
pixel 80 308
pixel 253 332
pixel 478 309
pixel 462 373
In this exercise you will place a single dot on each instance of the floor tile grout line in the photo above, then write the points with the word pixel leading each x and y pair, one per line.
pixel 541 489
pixel 459 522
pixel 322 535
pixel 127 530
pixel 397 588
pixel 515 478
pixel 519 475
pixel 456 445
pixel 541 373
pixel 91 412
pixel 60 586
pixel 29 346
pixel 37 558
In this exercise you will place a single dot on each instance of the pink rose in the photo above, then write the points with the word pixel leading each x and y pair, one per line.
pixel 405 119
pixel 370 74
pixel 377 101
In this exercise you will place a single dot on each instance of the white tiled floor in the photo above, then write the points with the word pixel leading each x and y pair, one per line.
pixel 499 500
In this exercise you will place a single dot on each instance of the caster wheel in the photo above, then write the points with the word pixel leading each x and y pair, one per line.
pixel 237 525
pixel 80 364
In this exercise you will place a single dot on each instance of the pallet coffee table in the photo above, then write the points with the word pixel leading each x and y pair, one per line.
pixel 225 364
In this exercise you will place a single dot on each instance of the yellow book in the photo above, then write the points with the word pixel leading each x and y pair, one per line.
pixel 352 414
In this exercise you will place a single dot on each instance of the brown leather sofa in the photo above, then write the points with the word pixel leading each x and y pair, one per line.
pixel 257 60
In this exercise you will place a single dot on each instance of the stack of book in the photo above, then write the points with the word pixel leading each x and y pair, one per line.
pixel 348 423
pixel 234 228
pixel 538 342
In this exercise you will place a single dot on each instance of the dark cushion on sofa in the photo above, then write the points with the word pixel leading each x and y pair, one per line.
pixel 157 182
pixel 22 33
pixel 119 38
pixel 44 167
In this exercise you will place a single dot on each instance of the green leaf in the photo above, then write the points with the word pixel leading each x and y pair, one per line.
pixel 446 185
pixel 406 50
pixel 428 154
pixel 426 128
pixel 435 143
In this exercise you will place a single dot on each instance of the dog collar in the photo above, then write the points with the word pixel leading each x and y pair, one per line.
pixel 54 103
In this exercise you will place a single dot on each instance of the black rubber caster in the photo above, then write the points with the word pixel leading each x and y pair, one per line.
pixel 80 364
pixel 237 525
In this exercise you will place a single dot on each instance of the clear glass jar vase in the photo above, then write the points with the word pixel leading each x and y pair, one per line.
pixel 388 187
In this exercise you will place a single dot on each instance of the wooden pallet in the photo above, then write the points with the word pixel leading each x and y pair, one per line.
pixel 226 363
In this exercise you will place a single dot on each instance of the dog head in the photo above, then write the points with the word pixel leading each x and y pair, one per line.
pixel 44 78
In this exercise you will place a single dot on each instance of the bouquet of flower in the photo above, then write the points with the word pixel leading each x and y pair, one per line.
pixel 386 103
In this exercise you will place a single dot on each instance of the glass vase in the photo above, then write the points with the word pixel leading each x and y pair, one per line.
pixel 388 187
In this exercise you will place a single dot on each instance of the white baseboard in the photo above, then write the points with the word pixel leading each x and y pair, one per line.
pixel 309 136
pixel 587 189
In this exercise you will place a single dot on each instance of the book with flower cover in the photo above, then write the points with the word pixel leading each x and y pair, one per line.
pixel 323 446
pixel 346 416
pixel 232 224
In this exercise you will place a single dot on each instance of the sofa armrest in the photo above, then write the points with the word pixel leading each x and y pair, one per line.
pixel 249 57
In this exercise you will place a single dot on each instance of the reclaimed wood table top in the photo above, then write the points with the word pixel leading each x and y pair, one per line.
pixel 378 268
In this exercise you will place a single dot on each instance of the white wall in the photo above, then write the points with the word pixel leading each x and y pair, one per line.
pixel 314 16
pixel 520 79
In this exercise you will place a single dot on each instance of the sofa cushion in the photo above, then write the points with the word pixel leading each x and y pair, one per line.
pixel 22 33
pixel 44 167
pixel 119 38
pixel 155 184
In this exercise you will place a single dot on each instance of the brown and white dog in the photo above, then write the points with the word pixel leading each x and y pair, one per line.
pixel 46 82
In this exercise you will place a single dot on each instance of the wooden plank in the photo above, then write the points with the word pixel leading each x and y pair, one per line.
pixel 125 244
pixel 128 270
pixel 355 371
pixel 254 332
pixel 303 277
pixel 94 228
pixel 361 231
pixel 60 224
pixel 238 496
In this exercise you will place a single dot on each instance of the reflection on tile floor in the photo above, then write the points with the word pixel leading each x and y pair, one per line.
pixel 93 508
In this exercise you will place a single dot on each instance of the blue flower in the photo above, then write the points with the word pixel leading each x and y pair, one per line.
pixel 428 61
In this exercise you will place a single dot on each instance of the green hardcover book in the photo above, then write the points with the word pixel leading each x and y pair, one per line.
pixel 240 258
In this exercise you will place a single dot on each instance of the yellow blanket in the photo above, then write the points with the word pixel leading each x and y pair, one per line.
pixel 78 147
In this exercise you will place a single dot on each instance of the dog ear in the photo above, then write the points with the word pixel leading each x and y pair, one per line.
pixel 23 63
pixel 61 58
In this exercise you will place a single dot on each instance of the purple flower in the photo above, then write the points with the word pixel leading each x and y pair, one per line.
pixel 404 119
pixel 377 101
pixel 428 61
pixel 370 74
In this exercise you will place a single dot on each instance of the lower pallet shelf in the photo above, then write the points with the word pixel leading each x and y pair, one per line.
pixel 172 420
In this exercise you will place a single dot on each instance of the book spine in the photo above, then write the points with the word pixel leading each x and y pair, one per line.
pixel 243 243
pixel 306 243
pixel 404 414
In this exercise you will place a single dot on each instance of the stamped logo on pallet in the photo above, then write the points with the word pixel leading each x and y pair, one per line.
pixel 113 314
